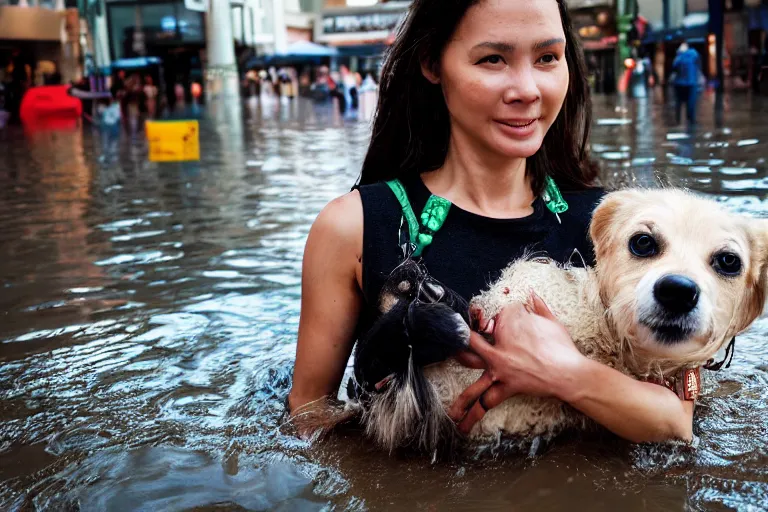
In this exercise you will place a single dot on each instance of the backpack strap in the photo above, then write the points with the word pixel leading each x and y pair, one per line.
pixel 432 217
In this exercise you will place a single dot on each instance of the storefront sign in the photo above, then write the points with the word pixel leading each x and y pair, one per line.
pixel 196 5
pixel 355 23
pixel 363 25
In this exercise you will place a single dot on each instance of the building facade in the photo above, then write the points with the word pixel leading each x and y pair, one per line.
pixel 149 27
pixel 596 24
pixel 187 38
pixel 360 30
pixel 43 34
pixel 744 26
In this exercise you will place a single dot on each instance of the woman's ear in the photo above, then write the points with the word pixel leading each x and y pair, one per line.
pixel 430 71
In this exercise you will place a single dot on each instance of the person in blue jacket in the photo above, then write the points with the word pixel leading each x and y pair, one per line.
pixel 687 68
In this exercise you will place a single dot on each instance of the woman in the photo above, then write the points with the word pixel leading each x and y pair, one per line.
pixel 480 102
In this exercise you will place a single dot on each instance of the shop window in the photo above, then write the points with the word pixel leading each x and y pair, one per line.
pixel 237 22
pixel 161 23
pixel 191 22
pixel 158 21
pixel 122 19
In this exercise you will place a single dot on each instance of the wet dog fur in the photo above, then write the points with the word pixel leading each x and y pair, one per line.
pixel 676 278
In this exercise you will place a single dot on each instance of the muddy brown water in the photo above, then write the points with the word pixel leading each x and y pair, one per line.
pixel 149 316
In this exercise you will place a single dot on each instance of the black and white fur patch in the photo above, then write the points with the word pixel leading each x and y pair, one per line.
pixel 421 322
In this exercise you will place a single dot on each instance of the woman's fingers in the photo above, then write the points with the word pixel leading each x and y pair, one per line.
pixel 479 322
pixel 470 360
pixel 480 346
pixel 540 307
pixel 469 396
pixel 492 397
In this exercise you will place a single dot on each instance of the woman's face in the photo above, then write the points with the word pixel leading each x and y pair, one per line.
pixel 504 74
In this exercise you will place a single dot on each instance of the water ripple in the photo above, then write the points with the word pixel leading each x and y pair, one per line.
pixel 151 311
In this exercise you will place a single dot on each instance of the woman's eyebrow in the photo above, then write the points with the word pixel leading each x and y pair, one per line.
pixel 508 47
pixel 499 47
pixel 549 42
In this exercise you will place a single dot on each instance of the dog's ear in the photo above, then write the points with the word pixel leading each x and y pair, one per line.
pixel 756 286
pixel 605 214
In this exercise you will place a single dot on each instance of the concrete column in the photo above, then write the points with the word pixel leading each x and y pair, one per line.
pixel 221 70
pixel 278 23
pixel 101 39
pixel 717 27
pixel 69 63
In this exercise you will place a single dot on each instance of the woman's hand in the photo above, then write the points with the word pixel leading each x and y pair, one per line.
pixel 534 355
pixel 532 351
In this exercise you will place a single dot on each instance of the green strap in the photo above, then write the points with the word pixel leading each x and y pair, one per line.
pixel 410 217
pixel 553 198
pixel 432 217
pixel 436 211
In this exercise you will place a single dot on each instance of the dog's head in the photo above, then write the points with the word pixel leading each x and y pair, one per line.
pixel 678 274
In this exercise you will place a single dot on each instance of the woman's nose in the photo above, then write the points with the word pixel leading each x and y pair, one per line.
pixel 522 86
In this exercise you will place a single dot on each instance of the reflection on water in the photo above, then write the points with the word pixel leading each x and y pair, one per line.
pixel 150 314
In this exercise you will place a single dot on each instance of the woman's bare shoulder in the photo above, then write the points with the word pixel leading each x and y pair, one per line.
pixel 337 233
pixel 342 218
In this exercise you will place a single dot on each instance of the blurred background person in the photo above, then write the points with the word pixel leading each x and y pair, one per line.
pixel 687 69
pixel 150 97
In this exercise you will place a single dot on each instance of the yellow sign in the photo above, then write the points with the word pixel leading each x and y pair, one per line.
pixel 173 141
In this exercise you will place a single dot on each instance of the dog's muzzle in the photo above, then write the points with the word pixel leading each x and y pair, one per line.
pixel 672 313
pixel 677 294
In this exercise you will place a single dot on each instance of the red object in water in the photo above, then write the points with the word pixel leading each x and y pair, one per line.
pixel 197 90
pixel 50 106
pixel 624 80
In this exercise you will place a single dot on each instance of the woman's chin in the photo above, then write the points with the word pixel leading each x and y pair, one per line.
pixel 517 148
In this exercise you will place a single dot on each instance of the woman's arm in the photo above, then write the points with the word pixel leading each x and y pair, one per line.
pixel 635 410
pixel 330 304
pixel 534 355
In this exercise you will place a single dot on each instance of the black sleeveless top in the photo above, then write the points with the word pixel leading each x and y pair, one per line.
pixel 469 251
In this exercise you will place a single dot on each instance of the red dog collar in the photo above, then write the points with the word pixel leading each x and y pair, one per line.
pixel 686 383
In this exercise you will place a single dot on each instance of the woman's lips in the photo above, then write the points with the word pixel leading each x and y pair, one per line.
pixel 518 127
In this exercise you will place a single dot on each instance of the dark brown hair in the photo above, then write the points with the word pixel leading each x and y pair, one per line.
pixel 411 130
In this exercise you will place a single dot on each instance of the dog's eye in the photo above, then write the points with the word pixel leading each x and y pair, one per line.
pixel 727 264
pixel 643 246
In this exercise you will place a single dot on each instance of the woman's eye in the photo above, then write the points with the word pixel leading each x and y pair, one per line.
pixel 491 59
pixel 549 58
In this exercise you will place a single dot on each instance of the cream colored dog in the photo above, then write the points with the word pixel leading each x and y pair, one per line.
pixel 677 277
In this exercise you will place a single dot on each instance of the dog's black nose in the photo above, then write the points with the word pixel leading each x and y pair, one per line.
pixel 677 294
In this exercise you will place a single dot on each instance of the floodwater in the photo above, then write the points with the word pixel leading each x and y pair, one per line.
pixel 149 317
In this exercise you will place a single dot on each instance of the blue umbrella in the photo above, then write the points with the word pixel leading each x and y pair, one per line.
pixel 135 63
pixel 308 49
pixel 296 53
